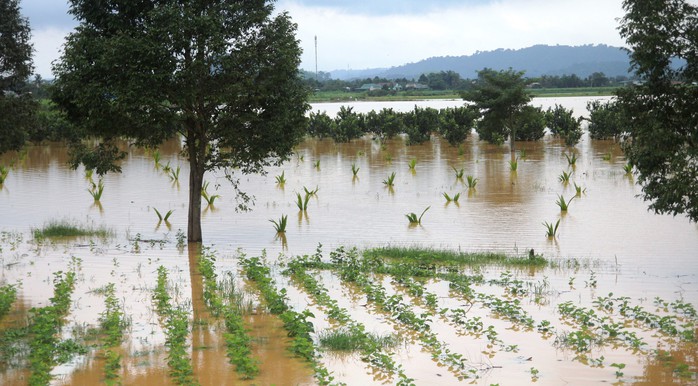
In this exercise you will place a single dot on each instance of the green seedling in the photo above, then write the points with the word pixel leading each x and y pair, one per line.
pixel 412 217
pixel 565 177
pixel 156 157
pixel 472 182
pixel 302 202
pixel 620 367
pixel 165 217
pixel 579 190
pixel 311 192
pixel 88 173
pixel 317 164
pixel 390 181
pixel 459 172
pixel 281 178
pixel 551 231
pixel 563 204
pixel 97 190
pixel 280 226
pixel 412 164
pixel 514 165
pixel 209 198
pixel 571 159
pixel 607 157
pixel 449 198
pixel 628 168
pixel 354 169
pixel 166 167
pixel 174 174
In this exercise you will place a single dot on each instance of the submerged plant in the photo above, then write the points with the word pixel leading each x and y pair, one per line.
pixel 412 164
pixel 579 190
pixel 354 169
pixel 209 198
pixel 628 168
pixel 156 157
pixel 281 178
pixel 280 226
pixel 311 192
pixel 571 159
pixel 551 231
pixel 302 202
pixel 563 204
pixel 161 217
pixel 514 165
pixel 565 177
pixel 412 217
pixel 459 172
pixel 606 156
pixel 174 174
pixel 449 198
pixel 317 164
pixel 97 190
pixel 390 181
pixel 472 182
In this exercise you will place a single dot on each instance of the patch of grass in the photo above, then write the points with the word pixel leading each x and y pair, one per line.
pixel 66 228
pixel 437 256
pixel 345 339
pixel 8 295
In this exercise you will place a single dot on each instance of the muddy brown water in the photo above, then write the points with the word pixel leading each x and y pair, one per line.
pixel 628 250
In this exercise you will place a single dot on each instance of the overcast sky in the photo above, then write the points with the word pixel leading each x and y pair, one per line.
pixel 384 33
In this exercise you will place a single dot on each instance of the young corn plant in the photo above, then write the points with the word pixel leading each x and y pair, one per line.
pixel 628 169
pixel 571 159
pixel 209 198
pixel 390 181
pixel 317 164
pixel 578 189
pixel 97 190
pixel 551 230
pixel 472 182
pixel 563 204
pixel 156 157
pixel 354 169
pixel 449 198
pixel 161 217
pixel 514 165
pixel 412 217
pixel 174 174
pixel 459 172
pixel 166 167
pixel 281 178
pixel 412 164
pixel 280 225
pixel 302 202
pixel 565 177
pixel 311 192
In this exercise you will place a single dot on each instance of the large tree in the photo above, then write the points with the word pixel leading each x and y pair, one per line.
pixel 16 107
pixel 221 74
pixel 500 96
pixel 661 114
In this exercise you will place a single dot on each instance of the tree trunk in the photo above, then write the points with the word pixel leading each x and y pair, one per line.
pixel 196 179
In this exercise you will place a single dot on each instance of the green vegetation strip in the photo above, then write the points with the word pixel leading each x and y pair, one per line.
pixel 66 228
pixel 236 337
pixel 8 295
pixel 352 335
pixel 297 324
pixel 113 325
pixel 176 326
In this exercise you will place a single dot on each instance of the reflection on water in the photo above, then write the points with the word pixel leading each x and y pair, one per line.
pixel 638 254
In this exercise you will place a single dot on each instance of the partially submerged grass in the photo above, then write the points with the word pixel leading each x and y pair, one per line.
pixel 97 190
pixel 563 204
pixel 472 182
pixel 449 198
pixel 412 217
pixel 345 339
pixel 280 226
pixel 459 172
pixel 354 169
pixel 390 181
pixel 442 256
pixel 67 228
pixel 412 164
pixel 551 229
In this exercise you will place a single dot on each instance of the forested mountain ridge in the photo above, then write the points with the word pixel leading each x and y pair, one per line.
pixel 537 60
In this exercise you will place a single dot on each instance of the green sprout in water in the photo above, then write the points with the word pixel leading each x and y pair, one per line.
pixel 412 164
pixel 354 169
pixel 449 198
pixel 459 172
pixel 563 204
pixel 571 159
pixel 97 190
pixel 311 192
pixel 156 157
pixel 302 202
pixel 472 182
pixel 280 226
pixel 514 165
pixel 174 174
pixel 281 178
pixel 551 231
pixel 317 164
pixel 390 181
pixel 210 198
pixel 412 217
pixel 565 177
pixel 161 217
pixel 579 190
pixel 628 168
pixel 619 366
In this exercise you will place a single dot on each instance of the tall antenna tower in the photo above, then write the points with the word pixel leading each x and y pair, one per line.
pixel 316 58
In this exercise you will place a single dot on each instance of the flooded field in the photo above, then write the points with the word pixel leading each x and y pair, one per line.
pixel 610 299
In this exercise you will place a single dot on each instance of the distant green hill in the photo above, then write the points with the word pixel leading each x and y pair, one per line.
pixel 536 61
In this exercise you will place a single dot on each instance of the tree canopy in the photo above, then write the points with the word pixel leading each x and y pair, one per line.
pixel 222 75
pixel 16 107
pixel 501 97
pixel 661 114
